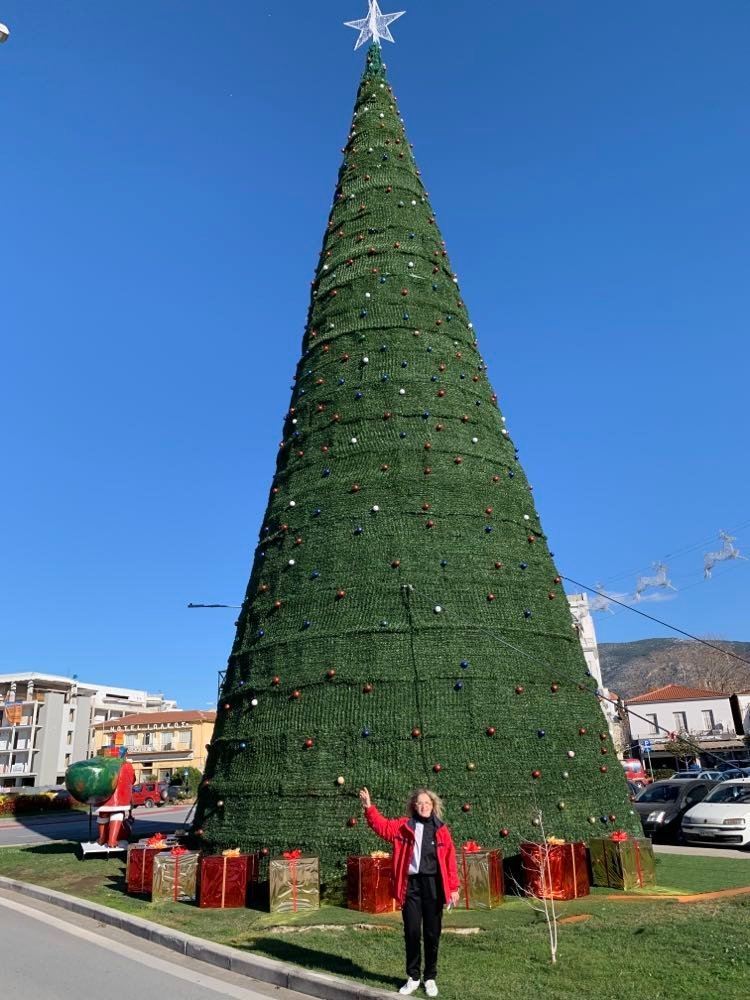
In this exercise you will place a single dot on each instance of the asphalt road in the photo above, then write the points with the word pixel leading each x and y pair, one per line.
pixel 51 955
pixel 75 826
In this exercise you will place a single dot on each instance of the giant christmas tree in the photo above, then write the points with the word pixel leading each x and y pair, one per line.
pixel 404 623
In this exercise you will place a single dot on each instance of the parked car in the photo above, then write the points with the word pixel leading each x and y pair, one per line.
pixel 662 805
pixel 634 789
pixel 697 776
pixel 149 794
pixel 723 817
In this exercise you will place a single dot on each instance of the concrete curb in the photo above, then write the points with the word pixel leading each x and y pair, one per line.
pixel 266 970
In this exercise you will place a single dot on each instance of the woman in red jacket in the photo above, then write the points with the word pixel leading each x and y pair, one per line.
pixel 425 878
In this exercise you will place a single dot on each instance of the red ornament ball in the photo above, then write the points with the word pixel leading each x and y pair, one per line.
pixel 536 774
pixel 554 688
pixel 604 768
pixel 490 730
pixel 367 688
pixel 226 706
pixel 276 680
pixel 396 563
pixel 505 832
pixel 309 744
pixel 296 695
pixel 437 768
pixel 277 604
pixel 582 731
pixel 466 807
pixel 340 594
pixel 264 852
pixel 490 598
pixel 352 821
pixel 330 673
pixel 416 733
pixel 520 689
pixel 603 736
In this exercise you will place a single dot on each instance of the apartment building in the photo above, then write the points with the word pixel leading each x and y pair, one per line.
pixel 159 744
pixel 47 722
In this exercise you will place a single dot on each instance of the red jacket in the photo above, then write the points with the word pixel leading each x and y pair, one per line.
pixel 400 833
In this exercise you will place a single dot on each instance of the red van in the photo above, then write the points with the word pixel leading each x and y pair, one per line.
pixel 634 771
pixel 149 794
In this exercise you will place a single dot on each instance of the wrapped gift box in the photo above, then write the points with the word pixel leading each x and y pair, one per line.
pixel 139 868
pixel 224 880
pixel 175 876
pixel 623 863
pixel 555 871
pixel 368 884
pixel 481 874
pixel 294 883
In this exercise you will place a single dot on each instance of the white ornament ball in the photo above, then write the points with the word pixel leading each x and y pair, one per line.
pixel 290 562
pixel 475 440
pixel 368 295
pixel 354 440
pixel 402 392
pixel 292 503
pixel 254 703
pixel 571 754
pixel 410 264
pixel 437 609
pixel 365 361
pixel 341 780
pixel 526 517
pixel 375 509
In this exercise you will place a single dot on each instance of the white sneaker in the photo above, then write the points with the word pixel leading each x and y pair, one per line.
pixel 409 987
pixel 430 987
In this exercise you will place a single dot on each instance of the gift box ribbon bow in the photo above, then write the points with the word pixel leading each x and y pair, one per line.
pixel 292 855
pixel 471 847
pixel 177 852
pixel 233 852
pixel 619 835
pixel 157 840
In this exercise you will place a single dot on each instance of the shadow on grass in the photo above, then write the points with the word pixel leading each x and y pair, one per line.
pixel 322 961
pixel 54 848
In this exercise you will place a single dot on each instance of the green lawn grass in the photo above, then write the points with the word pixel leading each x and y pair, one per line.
pixel 659 949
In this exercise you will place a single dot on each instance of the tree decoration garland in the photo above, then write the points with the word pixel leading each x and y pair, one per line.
pixel 366 598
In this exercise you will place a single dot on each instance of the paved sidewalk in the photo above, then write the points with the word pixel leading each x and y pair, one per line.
pixel 265 970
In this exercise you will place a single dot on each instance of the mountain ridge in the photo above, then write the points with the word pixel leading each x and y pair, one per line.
pixel 632 668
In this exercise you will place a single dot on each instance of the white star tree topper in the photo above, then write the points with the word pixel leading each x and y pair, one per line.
pixel 374 26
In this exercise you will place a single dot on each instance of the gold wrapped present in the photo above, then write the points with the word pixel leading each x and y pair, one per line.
pixel 175 876
pixel 622 862
pixel 294 883
pixel 481 874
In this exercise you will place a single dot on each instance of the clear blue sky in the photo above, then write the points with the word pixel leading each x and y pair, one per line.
pixel 167 168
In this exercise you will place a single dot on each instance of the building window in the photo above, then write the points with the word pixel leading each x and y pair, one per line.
pixel 129 739
pixel 680 722
pixel 653 723
pixel 708 718
pixel 72 715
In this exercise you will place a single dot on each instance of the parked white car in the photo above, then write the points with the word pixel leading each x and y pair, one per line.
pixel 723 817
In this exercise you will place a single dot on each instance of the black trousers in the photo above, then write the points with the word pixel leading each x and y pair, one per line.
pixel 423 914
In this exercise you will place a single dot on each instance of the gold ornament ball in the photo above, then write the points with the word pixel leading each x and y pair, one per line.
pixel 471 766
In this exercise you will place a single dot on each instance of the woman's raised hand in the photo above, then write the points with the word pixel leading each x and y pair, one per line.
pixel 364 798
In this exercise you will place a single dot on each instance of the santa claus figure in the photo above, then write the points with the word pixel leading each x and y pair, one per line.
pixel 114 817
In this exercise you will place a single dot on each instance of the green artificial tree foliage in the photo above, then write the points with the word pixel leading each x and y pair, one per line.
pixel 404 624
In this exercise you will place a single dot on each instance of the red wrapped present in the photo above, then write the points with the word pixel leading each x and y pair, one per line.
pixel 139 870
pixel 555 871
pixel 224 879
pixel 368 883
pixel 481 874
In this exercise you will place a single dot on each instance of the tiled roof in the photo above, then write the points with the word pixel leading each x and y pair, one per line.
pixel 158 718
pixel 675 692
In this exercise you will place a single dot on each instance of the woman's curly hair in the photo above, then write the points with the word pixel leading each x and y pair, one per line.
pixel 437 802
